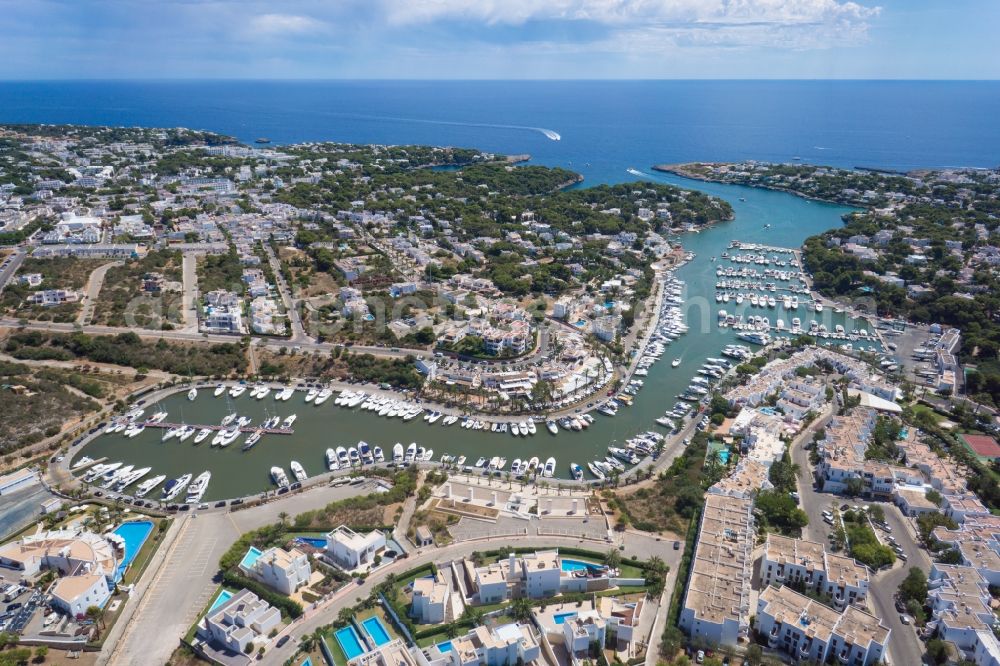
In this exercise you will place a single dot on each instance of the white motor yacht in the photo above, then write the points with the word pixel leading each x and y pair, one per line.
pixel 197 489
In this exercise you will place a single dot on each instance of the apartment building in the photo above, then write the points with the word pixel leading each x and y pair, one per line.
pixel 959 598
pixel 808 631
pixel 807 565
pixel 717 601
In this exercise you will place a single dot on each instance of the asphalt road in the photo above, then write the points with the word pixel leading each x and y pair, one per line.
pixel 18 508
pixel 16 259
pixel 189 273
pixel 905 648
pixel 298 332
pixel 93 290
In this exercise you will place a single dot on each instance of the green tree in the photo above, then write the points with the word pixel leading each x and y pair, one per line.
pixel 520 609
pixel 914 586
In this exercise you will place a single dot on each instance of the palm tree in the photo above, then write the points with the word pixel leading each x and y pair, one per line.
pixel 656 563
pixel 283 517
pixel 96 615
pixel 473 615
pixel 507 475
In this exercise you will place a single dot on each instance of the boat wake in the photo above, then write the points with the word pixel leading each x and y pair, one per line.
pixel 636 172
pixel 547 133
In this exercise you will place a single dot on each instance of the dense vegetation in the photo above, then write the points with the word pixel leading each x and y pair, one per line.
pixel 50 398
pixel 677 495
pixel 130 350
pixel 864 544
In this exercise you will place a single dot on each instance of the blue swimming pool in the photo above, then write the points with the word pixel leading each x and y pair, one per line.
pixel 134 534
pixel 307 662
pixel 316 542
pixel 376 630
pixel 223 597
pixel 349 642
pixel 251 557
pixel 560 618
pixel 444 647
pixel 577 565
pixel 724 456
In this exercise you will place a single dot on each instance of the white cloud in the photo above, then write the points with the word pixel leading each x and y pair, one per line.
pixel 276 25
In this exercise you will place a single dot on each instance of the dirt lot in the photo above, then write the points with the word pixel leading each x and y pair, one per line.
pixel 57 273
pixel 122 301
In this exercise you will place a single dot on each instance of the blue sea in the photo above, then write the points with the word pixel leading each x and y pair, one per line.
pixel 604 127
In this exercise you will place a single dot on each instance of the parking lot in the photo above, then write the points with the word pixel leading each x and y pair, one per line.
pixel 19 611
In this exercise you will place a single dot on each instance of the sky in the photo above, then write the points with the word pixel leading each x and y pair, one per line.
pixel 499 39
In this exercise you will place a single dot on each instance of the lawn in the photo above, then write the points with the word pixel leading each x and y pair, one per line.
pixel 380 613
pixel 145 554
pixel 339 658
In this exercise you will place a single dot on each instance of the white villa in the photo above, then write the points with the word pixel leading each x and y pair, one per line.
pixel 431 597
pixel 86 561
pixel 498 646
pixel 350 550
pixel 239 621
pixel 279 569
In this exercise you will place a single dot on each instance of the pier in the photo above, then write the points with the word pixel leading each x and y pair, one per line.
pixel 246 428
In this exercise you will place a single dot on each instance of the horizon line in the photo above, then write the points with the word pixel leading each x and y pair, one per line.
pixel 495 80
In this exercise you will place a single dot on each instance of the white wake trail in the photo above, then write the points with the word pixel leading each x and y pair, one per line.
pixel 547 133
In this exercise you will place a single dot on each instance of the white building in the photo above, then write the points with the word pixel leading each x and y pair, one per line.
pixel 239 621
pixel 959 598
pixel 807 630
pixel 717 601
pixel 73 595
pixel 582 630
pixel 351 550
pixel 504 645
pixel 282 570
pixel 431 597
pixel 86 562
pixel 22 478
pixel 800 562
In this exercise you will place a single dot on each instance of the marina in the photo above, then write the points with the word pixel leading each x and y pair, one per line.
pixel 582 443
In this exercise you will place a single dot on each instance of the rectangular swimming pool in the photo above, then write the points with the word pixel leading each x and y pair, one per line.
pixel 560 618
pixel 134 534
pixel 251 557
pixel 315 542
pixel 349 642
pixel 444 647
pixel 376 630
